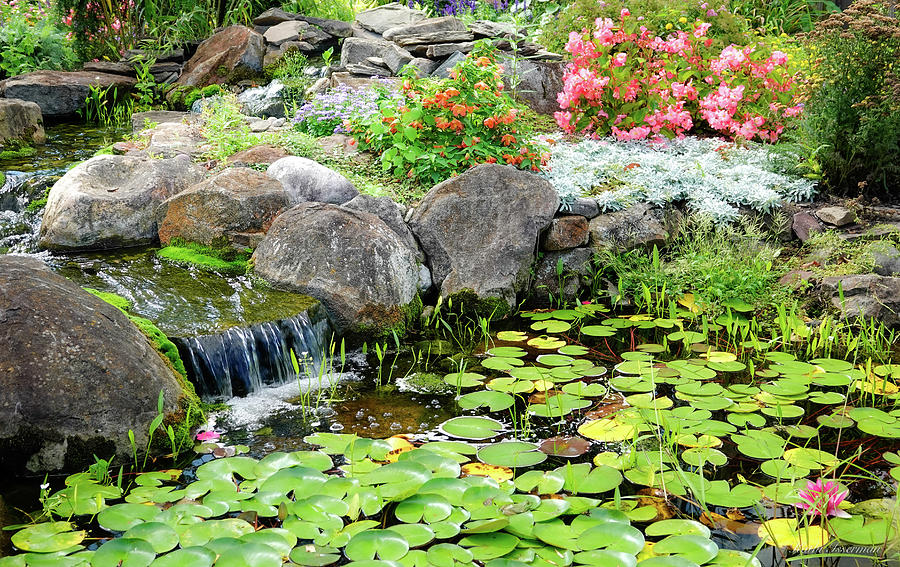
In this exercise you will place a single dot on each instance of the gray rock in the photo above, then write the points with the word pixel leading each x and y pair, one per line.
pixel 75 374
pixel 110 201
pixel 367 70
pixel 634 227
pixel 166 72
pixel 61 93
pixel 263 154
pixel 387 210
pixel 358 31
pixel 357 51
pixel 336 28
pixel 235 207
pixel 804 224
pixel 382 18
pixel 837 216
pixel 575 275
pixel 263 101
pixel 111 67
pixel 285 31
pixel 487 28
pixel 430 25
pixel 20 123
pixel 536 82
pixel 233 54
pixel 886 258
pixel 443 70
pixel 132 56
pixel 436 37
pixel 273 17
pixel 466 225
pixel 351 261
pixel 866 295
pixel 439 50
pixel 425 66
pixel 570 231
pixel 171 139
pixel 584 206
pixel 153 118
pixel 307 180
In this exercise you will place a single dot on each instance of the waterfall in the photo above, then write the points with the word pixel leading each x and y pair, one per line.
pixel 242 360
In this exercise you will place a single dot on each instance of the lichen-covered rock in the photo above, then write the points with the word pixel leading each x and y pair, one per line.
pixel 536 82
pixel 865 295
pixel 351 261
pixel 62 93
pixel 75 374
pixel 232 54
pixel 634 227
pixel 569 231
pixel 110 201
pixel 479 230
pixel 307 180
pixel 235 207
pixel 264 101
pixel 265 154
pixel 386 209
pixel 382 18
pixel 20 123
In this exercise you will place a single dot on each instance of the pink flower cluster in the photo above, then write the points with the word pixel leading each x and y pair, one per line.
pixel 653 86
pixel 822 498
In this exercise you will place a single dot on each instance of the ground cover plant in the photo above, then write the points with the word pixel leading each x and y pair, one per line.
pixel 29 40
pixel 713 177
pixel 586 438
pixel 447 126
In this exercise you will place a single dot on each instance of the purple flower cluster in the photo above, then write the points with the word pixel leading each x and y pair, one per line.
pixel 446 7
pixel 326 113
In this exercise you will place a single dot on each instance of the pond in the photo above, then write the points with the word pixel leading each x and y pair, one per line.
pixel 570 436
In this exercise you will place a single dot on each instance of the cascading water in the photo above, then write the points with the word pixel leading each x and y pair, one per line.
pixel 242 360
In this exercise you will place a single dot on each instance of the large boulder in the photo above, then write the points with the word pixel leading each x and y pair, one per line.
pixel 75 374
pixel 62 93
pixel 639 225
pixel 351 261
pixel 20 123
pixel 110 201
pixel 235 207
pixel 264 101
pixel 865 295
pixel 445 24
pixel 357 51
pixel 232 54
pixel 480 230
pixel 171 139
pixel 380 19
pixel 536 82
pixel 307 180
pixel 388 211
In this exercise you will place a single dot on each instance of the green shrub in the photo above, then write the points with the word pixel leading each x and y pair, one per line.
pixel 853 113
pixel 783 16
pixel 441 128
pixel 26 47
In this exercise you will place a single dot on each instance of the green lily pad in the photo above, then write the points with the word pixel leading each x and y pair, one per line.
pixel 489 546
pixel 558 405
pixel 312 555
pixel 696 456
pixel 464 379
pixel 733 558
pixel 513 454
pixel 565 446
pixel 160 536
pixel 202 533
pixel 557 534
pixel 859 530
pixel 598 331
pixel 512 336
pixel 607 430
pixel 385 544
pixel 124 552
pixel 493 401
pixel 812 459
pixel 573 350
pixel 47 537
pixel 193 556
pixel 121 517
pixel 694 548
pixel 475 428
pixel 508 352
pixel 677 527
pixel 613 536
pixel 585 390
pixel 416 535
pixel 582 478
pixel 501 363
pixel 234 552
pixel 543 482
pixel 551 326
pixel 428 507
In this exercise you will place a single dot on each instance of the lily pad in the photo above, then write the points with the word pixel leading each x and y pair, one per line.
pixel 385 544
pixel 493 401
pixel 568 446
pixel 124 552
pixel 475 428
pixel 48 537
pixel 513 454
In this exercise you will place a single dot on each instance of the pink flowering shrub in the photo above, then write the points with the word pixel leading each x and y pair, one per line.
pixel 626 81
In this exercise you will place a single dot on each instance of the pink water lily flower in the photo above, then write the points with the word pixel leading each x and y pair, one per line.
pixel 822 498
pixel 207 436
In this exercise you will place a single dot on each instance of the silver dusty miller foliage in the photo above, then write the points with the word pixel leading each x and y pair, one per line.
pixel 712 176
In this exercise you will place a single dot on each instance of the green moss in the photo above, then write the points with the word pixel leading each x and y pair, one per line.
pixel 2 179
pixel 16 153
pixel 467 302
pixel 104 151
pixel 223 260
pixel 113 299
pixel 37 204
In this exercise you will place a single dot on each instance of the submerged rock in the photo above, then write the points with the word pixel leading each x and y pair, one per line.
pixel 75 374
pixel 110 201
pixel 235 207
pixel 351 261
pixel 480 230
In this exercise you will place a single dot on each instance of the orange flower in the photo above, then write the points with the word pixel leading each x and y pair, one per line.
pixel 455 125
pixel 491 159
pixel 490 122
pixel 459 110
pixel 483 61
pixel 451 92
pixel 481 85
pixel 508 139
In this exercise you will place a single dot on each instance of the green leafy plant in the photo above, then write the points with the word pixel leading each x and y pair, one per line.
pixel 32 45
pixel 445 127
pixel 854 98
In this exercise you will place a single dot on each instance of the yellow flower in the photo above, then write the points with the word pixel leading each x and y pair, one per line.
pixel 668 26
pixel 682 20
